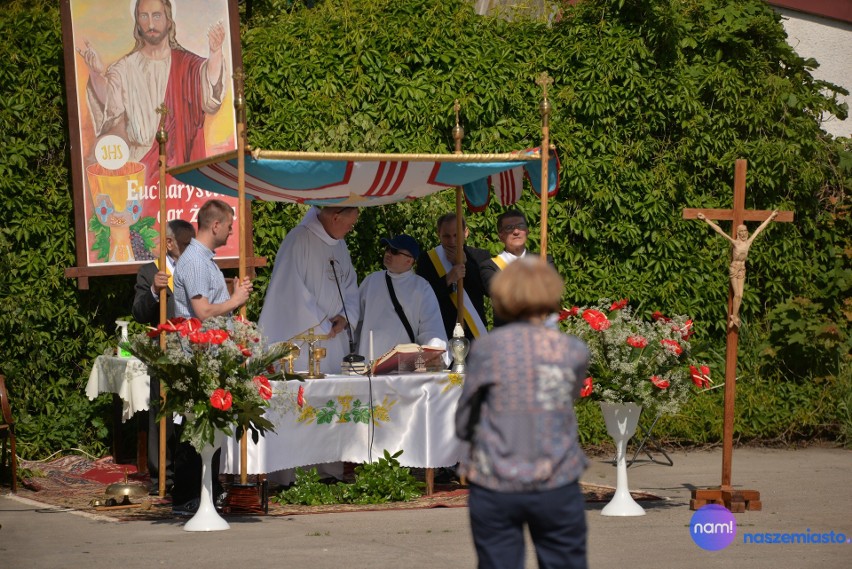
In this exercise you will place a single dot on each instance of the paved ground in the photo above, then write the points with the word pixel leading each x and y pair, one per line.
pixel 800 489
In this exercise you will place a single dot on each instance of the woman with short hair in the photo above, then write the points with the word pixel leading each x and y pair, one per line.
pixel 517 411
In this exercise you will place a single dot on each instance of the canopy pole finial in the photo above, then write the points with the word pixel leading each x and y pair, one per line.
pixel 544 80
pixel 458 130
pixel 239 95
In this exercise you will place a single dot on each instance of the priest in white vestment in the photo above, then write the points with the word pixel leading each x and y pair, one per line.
pixel 303 292
pixel 416 298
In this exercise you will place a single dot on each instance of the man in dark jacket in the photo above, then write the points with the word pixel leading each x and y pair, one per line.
pixel 150 280
pixel 439 266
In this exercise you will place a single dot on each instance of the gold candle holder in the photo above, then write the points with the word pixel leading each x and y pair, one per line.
pixel 317 356
pixel 289 361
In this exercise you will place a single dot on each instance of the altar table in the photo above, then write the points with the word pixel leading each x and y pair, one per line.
pixel 414 413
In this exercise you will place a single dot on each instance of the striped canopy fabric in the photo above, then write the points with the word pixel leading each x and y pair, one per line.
pixel 363 180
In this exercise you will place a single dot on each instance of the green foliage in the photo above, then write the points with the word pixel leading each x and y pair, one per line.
pixel 809 336
pixel 309 491
pixel 653 100
pixel 50 330
pixel 375 483
pixel 384 481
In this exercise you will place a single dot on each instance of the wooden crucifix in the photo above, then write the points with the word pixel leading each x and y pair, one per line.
pixel 734 500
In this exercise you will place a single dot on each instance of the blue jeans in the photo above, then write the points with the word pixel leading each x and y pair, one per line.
pixel 556 519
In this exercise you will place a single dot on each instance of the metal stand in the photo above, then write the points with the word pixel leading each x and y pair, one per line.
pixel 649 443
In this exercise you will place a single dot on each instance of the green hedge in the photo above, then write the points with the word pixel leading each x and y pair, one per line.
pixel 653 100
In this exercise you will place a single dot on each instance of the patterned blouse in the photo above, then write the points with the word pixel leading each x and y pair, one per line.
pixel 517 409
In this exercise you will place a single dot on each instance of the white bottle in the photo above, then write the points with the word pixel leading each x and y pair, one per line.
pixel 121 326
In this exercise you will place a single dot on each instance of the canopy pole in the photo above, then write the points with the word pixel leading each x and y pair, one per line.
pixel 162 139
pixel 240 106
pixel 458 135
pixel 544 80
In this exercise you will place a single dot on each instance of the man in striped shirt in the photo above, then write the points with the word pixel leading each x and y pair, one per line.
pixel 200 289
pixel 201 292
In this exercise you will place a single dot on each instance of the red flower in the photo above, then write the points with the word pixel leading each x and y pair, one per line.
pixel 686 330
pixel 618 304
pixel 172 325
pixel 300 398
pixel 199 337
pixel 672 345
pixel 263 386
pixel 596 319
pixel 637 342
pixel 657 315
pixel 566 312
pixel 700 378
pixel 659 381
pixel 587 387
pixel 218 336
pixel 189 326
pixel 221 399
pixel 247 353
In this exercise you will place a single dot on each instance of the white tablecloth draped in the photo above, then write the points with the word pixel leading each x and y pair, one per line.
pixel 413 413
pixel 128 377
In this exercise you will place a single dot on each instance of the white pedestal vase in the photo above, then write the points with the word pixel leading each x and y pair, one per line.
pixel 621 420
pixel 207 518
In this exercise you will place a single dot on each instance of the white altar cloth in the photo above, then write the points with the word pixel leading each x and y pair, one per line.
pixel 414 413
pixel 127 377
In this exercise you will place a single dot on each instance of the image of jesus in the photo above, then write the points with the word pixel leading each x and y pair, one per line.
pixel 123 97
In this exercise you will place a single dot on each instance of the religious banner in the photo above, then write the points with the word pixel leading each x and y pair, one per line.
pixel 126 63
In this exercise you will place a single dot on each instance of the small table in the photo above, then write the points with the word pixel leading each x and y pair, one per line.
pixel 127 379
pixel 414 413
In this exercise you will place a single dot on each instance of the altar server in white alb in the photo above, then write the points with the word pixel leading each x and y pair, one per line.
pixel 418 322
pixel 303 293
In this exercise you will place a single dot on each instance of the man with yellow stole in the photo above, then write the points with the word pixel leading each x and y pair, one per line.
pixel 513 231
pixel 440 269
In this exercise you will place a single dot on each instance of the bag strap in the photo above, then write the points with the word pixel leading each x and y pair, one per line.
pixel 398 309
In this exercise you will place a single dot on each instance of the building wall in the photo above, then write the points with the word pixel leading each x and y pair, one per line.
pixel 829 41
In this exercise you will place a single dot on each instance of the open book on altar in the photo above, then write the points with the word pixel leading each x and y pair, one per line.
pixel 410 358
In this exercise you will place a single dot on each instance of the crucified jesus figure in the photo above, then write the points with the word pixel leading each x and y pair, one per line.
pixel 739 252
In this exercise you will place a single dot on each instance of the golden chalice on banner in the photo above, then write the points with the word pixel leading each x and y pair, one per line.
pixel 115 197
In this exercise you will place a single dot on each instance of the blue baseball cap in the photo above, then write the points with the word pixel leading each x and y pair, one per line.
pixel 404 242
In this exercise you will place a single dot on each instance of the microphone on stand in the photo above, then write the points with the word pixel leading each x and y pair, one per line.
pixel 352 362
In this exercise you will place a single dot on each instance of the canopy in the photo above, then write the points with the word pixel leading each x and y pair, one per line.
pixel 362 180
